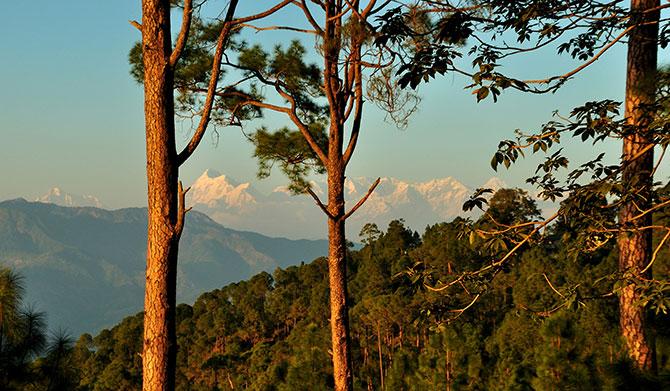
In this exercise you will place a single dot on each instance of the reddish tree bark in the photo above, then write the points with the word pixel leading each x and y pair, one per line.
pixel 159 353
pixel 166 209
pixel 635 246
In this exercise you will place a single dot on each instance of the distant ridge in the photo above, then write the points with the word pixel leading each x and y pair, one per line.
pixel 84 266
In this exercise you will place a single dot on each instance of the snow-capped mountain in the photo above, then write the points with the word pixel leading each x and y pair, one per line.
pixel 59 197
pixel 240 206
pixel 495 184
pixel 216 190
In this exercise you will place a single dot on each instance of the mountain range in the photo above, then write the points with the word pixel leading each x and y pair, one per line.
pixel 241 206
pixel 59 197
pixel 85 266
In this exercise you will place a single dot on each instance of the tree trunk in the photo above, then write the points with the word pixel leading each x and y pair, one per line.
pixel 447 368
pixel 381 359
pixel 159 351
pixel 337 271
pixel 635 247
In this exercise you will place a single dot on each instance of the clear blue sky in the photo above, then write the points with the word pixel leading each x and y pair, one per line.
pixel 72 117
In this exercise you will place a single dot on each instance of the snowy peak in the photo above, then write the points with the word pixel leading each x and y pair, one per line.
pixel 214 189
pixel 494 184
pixel 239 206
pixel 440 185
pixel 437 190
pixel 59 197
pixel 284 191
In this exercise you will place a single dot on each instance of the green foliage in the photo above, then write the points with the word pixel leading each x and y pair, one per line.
pixel 511 206
pixel 271 332
pixel 290 149
pixel 29 360
pixel 300 85
pixel 192 74
pixel 369 233
pixel 286 68
pixel 489 32
pixel 592 192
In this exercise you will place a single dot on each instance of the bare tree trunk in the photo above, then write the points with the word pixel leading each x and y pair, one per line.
pixel 166 209
pixel 638 159
pixel 381 360
pixel 159 352
pixel 335 167
pixel 337 271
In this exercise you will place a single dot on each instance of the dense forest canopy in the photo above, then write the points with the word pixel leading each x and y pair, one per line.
pixel 271 332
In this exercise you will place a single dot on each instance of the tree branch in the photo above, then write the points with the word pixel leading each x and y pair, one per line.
pixel 658 248
pixel 356 126
pixel 366 12
pixel 499 262
pixel 552 286
pixel 263 14
pixel 271 28
pixel 587 63
pixel 181 209
pixel 546 313
pixel 323 207
pixel 136 24
pixel 362 200
pixel 263 105
pixel 292 113
pixel 310 17
pixel 461 311
pixel 183 32
pixel 653 208
pixel 211 89
pixel 205 117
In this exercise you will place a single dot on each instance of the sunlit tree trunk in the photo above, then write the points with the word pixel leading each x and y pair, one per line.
pixel 337 271
pixel 159 352
pixel 635 246
pixel 343 90
pixel 166 209
pixel 335 168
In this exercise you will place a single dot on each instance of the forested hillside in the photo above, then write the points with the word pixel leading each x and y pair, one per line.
pixel 547 321
pixel 85 266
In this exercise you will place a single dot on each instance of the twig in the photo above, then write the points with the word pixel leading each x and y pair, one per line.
pixel 546 313
pixel 586 64
pixel 552 286
pixel 660 159
pixel 181 209
pixel 653 208
pixel 462 310
pixel 495 263
pixel 136 24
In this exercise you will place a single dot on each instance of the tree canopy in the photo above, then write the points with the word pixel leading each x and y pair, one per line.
pixel 271 333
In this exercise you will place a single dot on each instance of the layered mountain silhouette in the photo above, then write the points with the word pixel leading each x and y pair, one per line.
pixel 85 266
pixel 240 206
